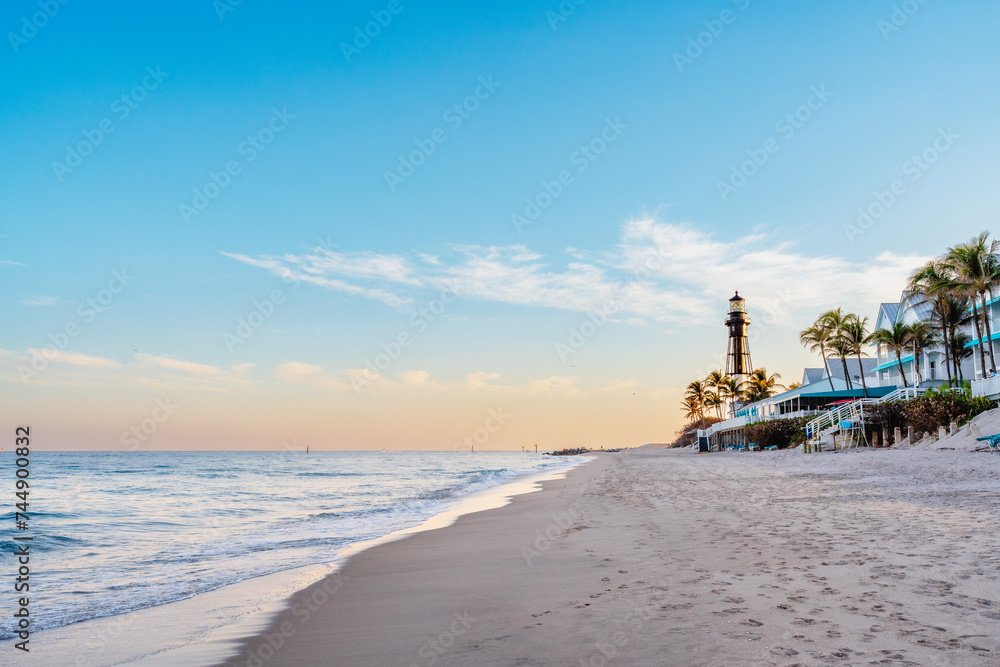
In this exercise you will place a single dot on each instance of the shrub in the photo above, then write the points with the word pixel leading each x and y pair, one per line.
pixel 781 432
pixel 928 412
pixel 886 416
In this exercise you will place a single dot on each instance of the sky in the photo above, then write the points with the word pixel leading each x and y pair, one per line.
pixel 428 225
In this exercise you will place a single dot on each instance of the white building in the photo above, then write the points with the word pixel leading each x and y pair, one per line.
pixel 993 311
pixel 911 308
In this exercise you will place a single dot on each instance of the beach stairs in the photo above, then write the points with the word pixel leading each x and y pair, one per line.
pixel 848 420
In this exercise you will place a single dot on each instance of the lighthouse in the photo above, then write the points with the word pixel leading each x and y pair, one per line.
pixel 738 358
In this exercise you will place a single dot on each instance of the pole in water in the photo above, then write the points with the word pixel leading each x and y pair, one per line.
pixel 536 447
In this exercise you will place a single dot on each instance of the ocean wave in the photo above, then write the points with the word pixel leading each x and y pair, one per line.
pixel 174 543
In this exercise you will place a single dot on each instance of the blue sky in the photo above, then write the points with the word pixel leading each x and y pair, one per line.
pixel 314 202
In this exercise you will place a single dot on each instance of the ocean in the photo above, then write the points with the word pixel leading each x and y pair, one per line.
pixel 118 532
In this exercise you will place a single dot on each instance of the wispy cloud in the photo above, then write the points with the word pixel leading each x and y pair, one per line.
pixel 41 301
pixel 10 262
pixel 303 268
pixel 365 381
pixel 48 367
pixel 75 359
pixel 664 272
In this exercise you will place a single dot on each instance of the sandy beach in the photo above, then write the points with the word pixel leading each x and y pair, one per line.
pixel 668 557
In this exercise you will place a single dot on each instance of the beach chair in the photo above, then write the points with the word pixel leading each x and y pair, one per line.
pixel 993 441
pixel 771 448
pixel 753 447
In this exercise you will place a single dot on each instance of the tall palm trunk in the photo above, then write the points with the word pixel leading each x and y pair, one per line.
pixel 989 334
pixel 944 339
pixel 826 367
pixel 954 356
pixel 861 369
pixel 847 375
pixel 979 336
pixel 902 373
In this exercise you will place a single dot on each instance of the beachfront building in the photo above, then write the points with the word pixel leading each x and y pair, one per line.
pixel 993 314
pixel 820 390
pixel 927 371
pixel 982 383
pixel 835 369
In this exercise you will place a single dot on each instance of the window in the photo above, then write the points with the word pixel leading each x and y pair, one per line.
pixel 934 370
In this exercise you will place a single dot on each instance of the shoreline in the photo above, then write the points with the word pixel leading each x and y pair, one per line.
pixel 226 640
pixel 345 595
pixel 658 556
pixel 204 628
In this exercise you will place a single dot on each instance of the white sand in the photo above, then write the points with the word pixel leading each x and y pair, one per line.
pixel 669 557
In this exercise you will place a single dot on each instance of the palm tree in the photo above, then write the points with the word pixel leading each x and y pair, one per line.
pixel 713 379
pixel 933 283
pixel 974 265
pixel 698 392
pixel 855 336
pixel 957 315
pixel 817 338
pixel 921 337
pixel 713 400
pixel 895 338
pixel 959 351
pixel 836 320
pixel 692 409
pixel 713 382
pixel 729 391
pixel 760 385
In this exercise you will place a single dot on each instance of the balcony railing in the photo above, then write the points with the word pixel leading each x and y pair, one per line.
pixel 988 387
